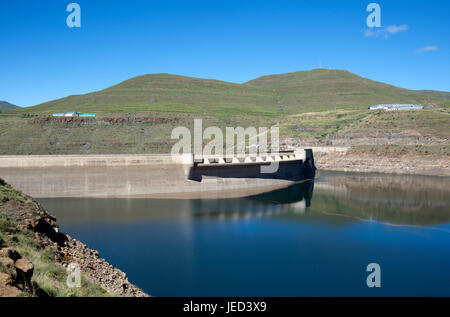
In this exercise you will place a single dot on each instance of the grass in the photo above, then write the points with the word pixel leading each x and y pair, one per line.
pixel 319 124
pixel 274 95
pixel 21 136
pixel 49 275
pixel 363 123
pixel 7 192
pixel 311 105
pixel 426 123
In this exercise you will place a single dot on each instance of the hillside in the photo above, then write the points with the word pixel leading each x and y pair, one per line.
pixel 139 114
pixel 4 105
pixel 273 95
pixel 168 93
pixel 322 89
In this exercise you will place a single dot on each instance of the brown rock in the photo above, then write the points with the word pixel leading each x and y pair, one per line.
pixel 5 280
pixel 9 265
pixel 6 261
pixel 51 217
pixel 28 223
pixel 6 289
pixel 10 291
pixel 10 253
pixel 24 270
pixel 11 229
pixel 44 227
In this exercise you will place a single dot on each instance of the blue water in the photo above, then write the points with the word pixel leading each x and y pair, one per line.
pixel 307 240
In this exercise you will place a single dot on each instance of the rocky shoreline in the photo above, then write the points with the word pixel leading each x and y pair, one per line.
pixel 112 279
pixel 30 219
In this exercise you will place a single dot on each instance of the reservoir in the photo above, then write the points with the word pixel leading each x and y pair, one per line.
pixel 309 239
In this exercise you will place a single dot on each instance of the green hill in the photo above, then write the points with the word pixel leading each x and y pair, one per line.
pixel 273 95
pixel 322 89
pixel 4 105
pixel 168 93
pixel 139 114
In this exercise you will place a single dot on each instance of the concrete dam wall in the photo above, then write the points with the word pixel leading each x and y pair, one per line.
pixel 144 175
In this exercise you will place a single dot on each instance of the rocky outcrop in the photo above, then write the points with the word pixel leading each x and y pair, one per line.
pixel 10 253
pixel 24 273
pixel 8 264
pixel 111 278
pixel 7 289
pixel 41 225
pixel 17 270
pixel 120 120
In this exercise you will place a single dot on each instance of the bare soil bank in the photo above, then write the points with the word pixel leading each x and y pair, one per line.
pixel 365 162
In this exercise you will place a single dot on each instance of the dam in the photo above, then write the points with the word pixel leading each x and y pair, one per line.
pixel 153 175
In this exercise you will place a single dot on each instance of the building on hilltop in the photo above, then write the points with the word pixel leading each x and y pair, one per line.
pixel 73 114
pixel 389 107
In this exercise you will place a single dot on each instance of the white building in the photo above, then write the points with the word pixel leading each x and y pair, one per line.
pixel 73 114
pixel 390 107
pixel 91 115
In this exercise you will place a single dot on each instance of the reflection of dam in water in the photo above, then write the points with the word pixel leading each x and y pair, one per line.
pixel 389 198
pixel 295 198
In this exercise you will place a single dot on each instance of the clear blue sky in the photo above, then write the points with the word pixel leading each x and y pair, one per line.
pixel 42 59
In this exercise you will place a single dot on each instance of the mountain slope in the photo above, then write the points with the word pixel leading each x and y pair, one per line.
pixel 322 89
pixel 139 114
pixel 171 93
pixel 4 105
pixel 273 95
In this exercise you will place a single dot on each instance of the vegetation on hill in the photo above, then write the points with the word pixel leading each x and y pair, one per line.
pixel 323 89
pixel 137 116
pixel 273 95
pixel 424 126
pixel 4 105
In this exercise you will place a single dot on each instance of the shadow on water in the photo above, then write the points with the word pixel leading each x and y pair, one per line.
pixel 293 194
pixel 289 170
